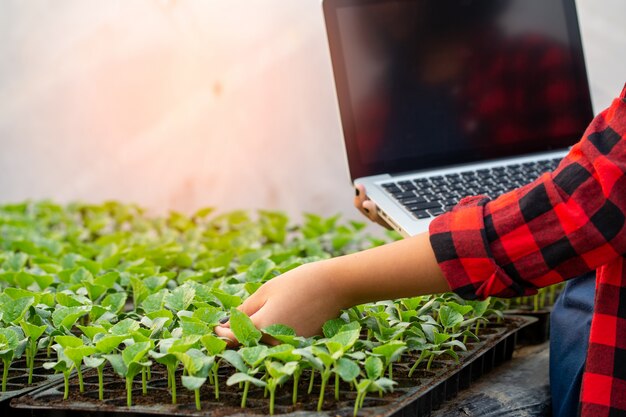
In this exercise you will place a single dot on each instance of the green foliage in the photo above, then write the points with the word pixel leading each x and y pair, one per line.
pixel 106 285
pixel 243 328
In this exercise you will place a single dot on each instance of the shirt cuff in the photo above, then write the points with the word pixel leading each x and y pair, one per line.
pixel 462 250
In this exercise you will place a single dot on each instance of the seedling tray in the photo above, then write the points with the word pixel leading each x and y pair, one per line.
pixel 537 332
pixel 17 382
pixel 416 396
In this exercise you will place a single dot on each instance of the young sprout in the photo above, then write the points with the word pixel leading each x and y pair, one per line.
pixel 97 362
pixel 130 363
pixel 214 347
pixel 374 381
pixel 197 365
pixel 329 351
pixel 167 355
pixel 63 364
pixel 277 375
pixel 12 345
pixel 33 333
pixel 440 345
pixel 390 352
pixel 76 354
pixel 247 361
pixel 312 362
pixel 286 353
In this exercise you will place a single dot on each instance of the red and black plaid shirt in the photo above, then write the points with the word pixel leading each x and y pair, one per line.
pixel 565 223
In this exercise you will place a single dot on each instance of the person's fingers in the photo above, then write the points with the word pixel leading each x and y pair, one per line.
pixel 225 332
pixel 359 196
pixel 258 319
pixel 372 212
pixel 367 207
pixel 360 199
pixel 252 304
pixel 249 307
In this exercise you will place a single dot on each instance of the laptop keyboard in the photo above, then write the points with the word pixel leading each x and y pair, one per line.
pixel 431 196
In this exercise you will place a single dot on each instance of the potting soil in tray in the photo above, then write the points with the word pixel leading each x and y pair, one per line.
pixel 414 396
pixel 17 381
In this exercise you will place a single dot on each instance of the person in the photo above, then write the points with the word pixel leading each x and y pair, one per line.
pixel 567 222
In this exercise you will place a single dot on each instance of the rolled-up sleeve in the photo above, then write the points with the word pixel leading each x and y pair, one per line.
pixel 561 225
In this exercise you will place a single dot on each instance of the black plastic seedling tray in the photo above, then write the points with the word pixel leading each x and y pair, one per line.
pixel 415 397
pixel 537 332
pixel 17 382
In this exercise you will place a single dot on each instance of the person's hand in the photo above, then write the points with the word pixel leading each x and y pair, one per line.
pixel 367 207
pixel 303 299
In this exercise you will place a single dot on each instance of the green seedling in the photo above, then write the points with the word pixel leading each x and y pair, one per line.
pixel 32 333
pixel 75 351
pixel 374 381
pixel 12 345
pixel 214 347
pixel 277 373
pixel 197 366
pixel 129 364
pixel 390 352
pixel 243 328
pixel 246 362
pixel 329 351
pixel 64 365
pixel 168 356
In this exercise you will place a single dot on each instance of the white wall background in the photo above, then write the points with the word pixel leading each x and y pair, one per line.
pixel 181 104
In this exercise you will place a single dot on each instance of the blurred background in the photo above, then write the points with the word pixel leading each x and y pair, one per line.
pixel 190 103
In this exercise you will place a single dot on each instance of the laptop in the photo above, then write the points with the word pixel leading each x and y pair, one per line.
pixel 442 99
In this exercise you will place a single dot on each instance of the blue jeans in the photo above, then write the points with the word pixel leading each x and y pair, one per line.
pixel 569 336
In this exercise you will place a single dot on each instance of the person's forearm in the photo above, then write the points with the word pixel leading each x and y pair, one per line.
pixel 405 268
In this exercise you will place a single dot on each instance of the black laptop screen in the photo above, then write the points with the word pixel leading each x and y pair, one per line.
pixel 427 83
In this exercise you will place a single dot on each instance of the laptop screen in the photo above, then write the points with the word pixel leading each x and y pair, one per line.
pixel 431 83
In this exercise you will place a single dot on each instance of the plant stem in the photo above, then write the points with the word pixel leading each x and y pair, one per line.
pixel 66 385
pixel 30 360
pixel 310 390
pixel 100 383
pixel 244 397
pixel 129 391
pixel 5 374
pixel 217 384
pixel 356 404
pixel 430 362
pixel 272 396
pixel 144 385
pixel 337 387
pixel 296 380
pixel 171 377
pixel 320 401
pixel 81 385
pixel 399 311
pixel 417 362
pixel 197 394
